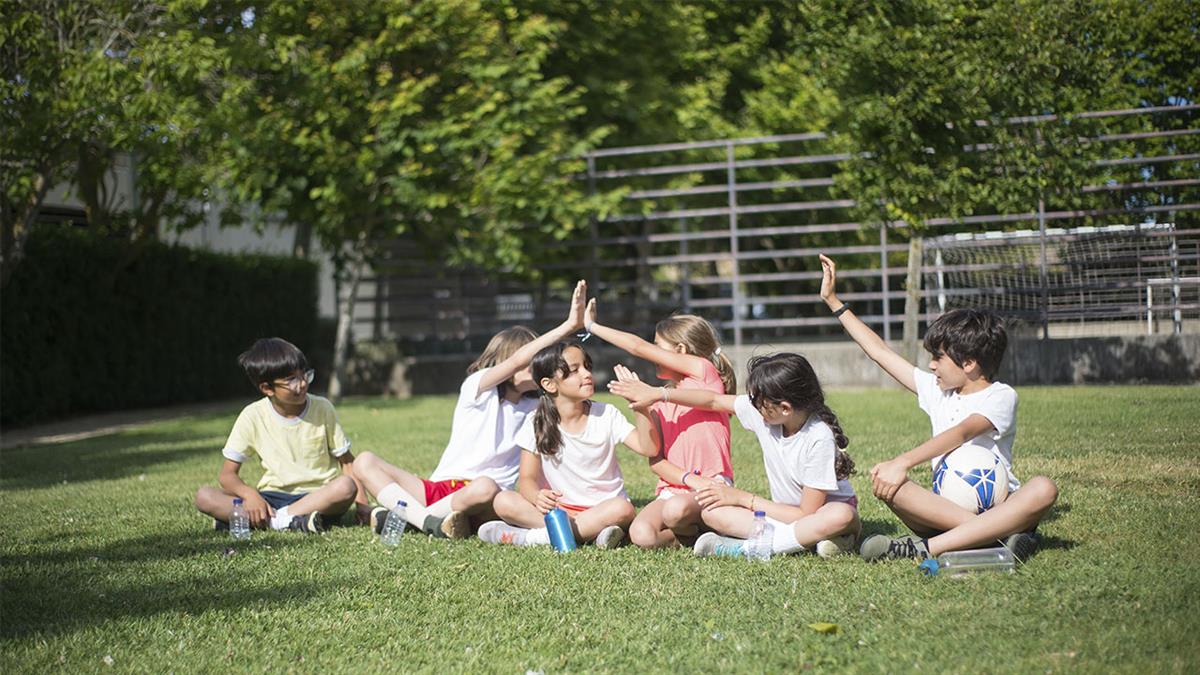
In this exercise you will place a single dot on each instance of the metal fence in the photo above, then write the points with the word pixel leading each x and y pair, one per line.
pixel 730 229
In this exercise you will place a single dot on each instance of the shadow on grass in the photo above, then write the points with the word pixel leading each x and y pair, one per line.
pixel 108 458
pixel 64 592
pixel 888 527
pixel 1056 512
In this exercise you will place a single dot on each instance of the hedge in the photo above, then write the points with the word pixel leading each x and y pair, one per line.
pixel 88 326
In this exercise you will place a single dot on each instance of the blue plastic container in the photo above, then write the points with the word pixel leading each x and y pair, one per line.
pixel 558 524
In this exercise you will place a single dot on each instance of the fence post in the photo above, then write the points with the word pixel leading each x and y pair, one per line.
pixel 883 279
pixel 685 276
pixel 912 298
pixel 593 230
pixel 731 182
pixel 1176 314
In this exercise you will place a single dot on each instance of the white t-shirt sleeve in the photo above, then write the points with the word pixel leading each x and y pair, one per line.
pixel 747 414
pixel 817 468
pixel 469 395
pixel 999 406
pixel 336 436
pixel 525 438
pixel 928 391
pixel 619 427
pixel 240 445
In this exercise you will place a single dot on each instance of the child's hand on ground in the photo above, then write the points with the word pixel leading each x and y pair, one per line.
pixel 886 479
pixel 547 500
pixel 362 513
pixel 717 493
pixel 578 298
pixel 630 387
pixel 258 511
pixel 828 280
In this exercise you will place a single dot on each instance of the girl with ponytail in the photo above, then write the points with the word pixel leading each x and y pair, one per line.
pixel 693 442
pixel 568 458
pixel 812 505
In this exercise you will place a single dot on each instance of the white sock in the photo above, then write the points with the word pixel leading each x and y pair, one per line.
pixel 414 511
pixel 538 536
pixel 281 519
pixel 784 541
pixel 440 508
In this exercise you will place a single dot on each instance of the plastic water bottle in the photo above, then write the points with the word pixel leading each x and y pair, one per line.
pixel 958 563
pixel 393 527
pixel 239 522
pixel 758 546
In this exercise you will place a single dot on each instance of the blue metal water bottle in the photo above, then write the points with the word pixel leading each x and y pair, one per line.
pixel 562 538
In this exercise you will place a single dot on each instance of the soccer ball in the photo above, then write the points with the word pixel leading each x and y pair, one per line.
pixel 971 477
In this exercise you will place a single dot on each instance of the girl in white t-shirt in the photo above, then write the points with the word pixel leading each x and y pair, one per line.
pixel 481 457
pixel 812 506
pixel 568 459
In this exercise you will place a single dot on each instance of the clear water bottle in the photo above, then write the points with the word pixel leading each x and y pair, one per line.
pixel 393 527
pixel 239 522
pixel 762 535
pixel 958 563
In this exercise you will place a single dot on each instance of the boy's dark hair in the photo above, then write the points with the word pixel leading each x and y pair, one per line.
pixel 969 334
pixel 787 377
pixel 269 359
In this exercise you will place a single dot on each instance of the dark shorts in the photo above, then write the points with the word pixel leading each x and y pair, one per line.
pixel 278 500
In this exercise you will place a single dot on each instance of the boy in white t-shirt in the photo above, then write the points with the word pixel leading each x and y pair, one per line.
pixel 966 408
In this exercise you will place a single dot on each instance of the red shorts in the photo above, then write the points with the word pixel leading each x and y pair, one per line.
pixel 573 509
pixel 435 491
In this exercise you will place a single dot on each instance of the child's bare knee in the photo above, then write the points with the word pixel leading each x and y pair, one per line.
pixel 344 488
pixel 625 512
pixel 679 511
pixel 366 460
pixel 642 534
pixel 484 488
pixel 842 516
pixel 1044 490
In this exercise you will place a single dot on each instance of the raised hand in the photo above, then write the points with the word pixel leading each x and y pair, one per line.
pixel 589 314
pixel 630 387
pixel 578 297
pixel 828 277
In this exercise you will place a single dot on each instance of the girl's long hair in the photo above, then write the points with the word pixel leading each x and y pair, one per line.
pixel 502 345
pixel 779 378
pixel 699 338
pixel 549 363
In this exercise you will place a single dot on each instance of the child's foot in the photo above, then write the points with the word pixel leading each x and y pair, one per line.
pixel 610 537
pixel 835 546
pixel 500 532
pixel 309 523
pixel 378 518
pixel 880 547
pixel 713 544
pixel 1022 544
pixel 456 525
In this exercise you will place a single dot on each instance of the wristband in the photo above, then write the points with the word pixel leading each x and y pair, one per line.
pixel 683 479
pixel 752 502
pixel 841 310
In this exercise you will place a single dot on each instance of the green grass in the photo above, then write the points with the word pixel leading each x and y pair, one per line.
pixel 104 556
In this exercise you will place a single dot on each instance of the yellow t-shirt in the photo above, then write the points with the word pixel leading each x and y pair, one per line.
pixel 298 454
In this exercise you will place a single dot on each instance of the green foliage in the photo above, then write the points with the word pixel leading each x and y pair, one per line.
pixel 110 559
pixel 84 329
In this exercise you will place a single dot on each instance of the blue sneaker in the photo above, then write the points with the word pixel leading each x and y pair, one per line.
pixel 713 544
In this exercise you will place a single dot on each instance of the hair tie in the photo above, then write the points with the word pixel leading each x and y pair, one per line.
pixel 717 351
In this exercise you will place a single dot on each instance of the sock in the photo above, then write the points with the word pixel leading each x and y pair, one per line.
pixel 441 508
pixel 281 519
pixel 538 536
pixel 414 511
pixel 784 541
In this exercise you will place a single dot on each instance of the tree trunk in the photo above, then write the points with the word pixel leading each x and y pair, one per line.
pixel 15 223
pixel 345 332
pixel 302 243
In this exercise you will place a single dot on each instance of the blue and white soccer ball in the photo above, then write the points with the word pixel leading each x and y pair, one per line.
pixel 972 477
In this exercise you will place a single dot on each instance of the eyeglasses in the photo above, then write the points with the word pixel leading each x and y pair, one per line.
pixel 295 382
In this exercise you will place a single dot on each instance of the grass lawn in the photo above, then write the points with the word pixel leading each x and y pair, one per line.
pixel 106 563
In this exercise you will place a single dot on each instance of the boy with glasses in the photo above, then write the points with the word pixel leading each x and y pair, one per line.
pixel 307 466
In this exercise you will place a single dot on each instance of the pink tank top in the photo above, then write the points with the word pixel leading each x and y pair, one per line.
pixel 696 439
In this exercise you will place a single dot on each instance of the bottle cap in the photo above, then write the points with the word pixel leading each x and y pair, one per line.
pixel 237 500
pixel 760 513
pixel 929 567
pixel 401 503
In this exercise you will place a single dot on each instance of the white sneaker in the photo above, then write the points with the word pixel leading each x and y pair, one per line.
pixel 610 537
pixel 500 532
pixel 713 544
pixel 830 548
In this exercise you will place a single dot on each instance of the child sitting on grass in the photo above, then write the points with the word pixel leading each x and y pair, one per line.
pixel 307 466
pixel 967 407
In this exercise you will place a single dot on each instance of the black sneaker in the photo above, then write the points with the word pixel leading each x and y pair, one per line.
pixel 1022 544
pixel 220 525
pixel 880 547
pixel 309 523
pixel 378 518
pixel 455 525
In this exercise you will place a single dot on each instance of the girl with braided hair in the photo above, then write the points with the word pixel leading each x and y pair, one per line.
pixel 812 506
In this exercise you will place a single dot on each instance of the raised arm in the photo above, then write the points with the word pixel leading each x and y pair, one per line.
pixel 685 364
pixel 504 370
pixel 870 342
pixel 641 395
